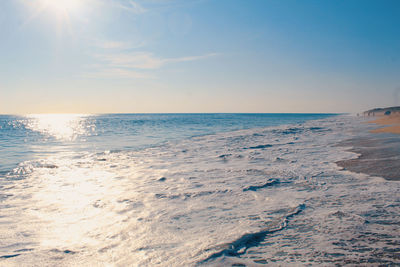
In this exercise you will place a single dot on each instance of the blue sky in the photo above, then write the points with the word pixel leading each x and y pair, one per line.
pixel 101 56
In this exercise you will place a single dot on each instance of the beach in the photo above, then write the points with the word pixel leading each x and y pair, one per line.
pixel 379 152
pixel 390 123
pixel 199 133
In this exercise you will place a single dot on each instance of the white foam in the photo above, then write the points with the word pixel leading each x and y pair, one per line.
pixel 112 208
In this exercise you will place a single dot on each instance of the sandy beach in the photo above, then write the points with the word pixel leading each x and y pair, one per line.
pixel 379 155
pixel 391 123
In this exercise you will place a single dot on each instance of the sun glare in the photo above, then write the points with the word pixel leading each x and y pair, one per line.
pixel 63 12
pixel 59 126
pixel 61 6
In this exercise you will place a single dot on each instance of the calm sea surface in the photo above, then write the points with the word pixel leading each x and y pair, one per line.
pixel 188 190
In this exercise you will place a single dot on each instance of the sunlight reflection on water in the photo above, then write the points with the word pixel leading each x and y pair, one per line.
pixel 60 126
pixel 72 193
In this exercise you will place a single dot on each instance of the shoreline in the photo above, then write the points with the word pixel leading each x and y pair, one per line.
pixel 379 152
pixel 391 123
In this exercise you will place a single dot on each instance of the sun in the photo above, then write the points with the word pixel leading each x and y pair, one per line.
pixel 61 9
pixel 62 12
pixel 61 6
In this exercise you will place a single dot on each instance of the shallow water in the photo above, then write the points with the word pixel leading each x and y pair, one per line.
pixel 214 192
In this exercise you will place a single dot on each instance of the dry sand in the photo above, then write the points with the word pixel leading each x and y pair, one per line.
pixel 392 122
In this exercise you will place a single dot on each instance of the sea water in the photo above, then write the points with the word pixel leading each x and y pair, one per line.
pixel 189 190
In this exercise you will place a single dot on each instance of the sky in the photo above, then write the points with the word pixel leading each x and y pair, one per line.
pixel 155 56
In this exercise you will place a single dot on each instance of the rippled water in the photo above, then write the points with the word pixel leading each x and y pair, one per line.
pixel 37 136
pixel 187 190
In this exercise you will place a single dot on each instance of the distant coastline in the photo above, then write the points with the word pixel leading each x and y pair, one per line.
pixel 388 117
pixel 382 111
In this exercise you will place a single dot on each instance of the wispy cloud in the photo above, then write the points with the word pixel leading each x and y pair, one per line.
pixel 113 45
pixel 117 45
pixel 143 60
pixel 137 60
pixel 101 72
pixel 118 59
pixel 190 58
pixel 129 5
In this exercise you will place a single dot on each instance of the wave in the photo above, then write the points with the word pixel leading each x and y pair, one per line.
pixel 243 243
pixel 190 195
pixel 259 146
pixel 270 182
pixel 27 167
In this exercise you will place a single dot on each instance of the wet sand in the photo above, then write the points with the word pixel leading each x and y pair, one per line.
pixel 379 153
pixel 379 156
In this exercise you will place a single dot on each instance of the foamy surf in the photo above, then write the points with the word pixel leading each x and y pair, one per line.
pixel 265 195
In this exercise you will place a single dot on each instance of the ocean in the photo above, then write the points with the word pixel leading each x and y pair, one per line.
pixel 190 190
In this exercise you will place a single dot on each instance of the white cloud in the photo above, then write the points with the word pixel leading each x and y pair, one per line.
pixel 129 5
pixel 132 66
pixel 143 60
pixel 190 58
pixel 116 59
pixel 113 45
pixel 137 60
pixel 116 73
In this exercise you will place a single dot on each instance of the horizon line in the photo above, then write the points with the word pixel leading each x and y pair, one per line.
pixel 166 113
